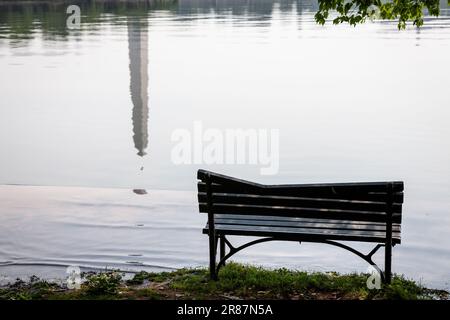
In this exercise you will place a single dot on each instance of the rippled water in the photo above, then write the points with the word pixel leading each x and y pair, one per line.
pixel 87 115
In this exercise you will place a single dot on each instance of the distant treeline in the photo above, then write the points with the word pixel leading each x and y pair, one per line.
pixel 21 18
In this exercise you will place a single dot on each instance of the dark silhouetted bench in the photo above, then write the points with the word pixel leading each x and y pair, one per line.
pixel 323 213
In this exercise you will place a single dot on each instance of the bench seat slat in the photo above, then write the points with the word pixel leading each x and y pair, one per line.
pixel 324 224
pixel 297 219
pixel 303 233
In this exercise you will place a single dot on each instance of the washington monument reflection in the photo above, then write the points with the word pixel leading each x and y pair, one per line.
pixel 138 53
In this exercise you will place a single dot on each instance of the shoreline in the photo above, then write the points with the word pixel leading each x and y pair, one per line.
pixel 236 282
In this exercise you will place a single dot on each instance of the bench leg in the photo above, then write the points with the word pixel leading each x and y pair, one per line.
pixel 387 263
pixel 212 256
pixel 388 243
pixel 222 247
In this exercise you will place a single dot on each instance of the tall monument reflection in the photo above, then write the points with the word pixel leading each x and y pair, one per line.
pixel 138 53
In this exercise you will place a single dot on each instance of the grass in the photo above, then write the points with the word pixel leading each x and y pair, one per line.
pixel 236 281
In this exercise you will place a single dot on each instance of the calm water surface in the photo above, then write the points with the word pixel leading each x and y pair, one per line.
pixel 86 116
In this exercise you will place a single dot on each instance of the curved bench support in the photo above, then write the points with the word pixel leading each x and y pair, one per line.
pixel 233 250
pixel 224 257
pixel 365 257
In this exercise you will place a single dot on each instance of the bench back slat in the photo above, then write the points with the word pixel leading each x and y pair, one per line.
pixel 298 202
pixel 300 192
pixel 349 187
pixel 360 201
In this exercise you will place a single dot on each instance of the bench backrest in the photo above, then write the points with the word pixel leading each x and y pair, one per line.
pixel 360 201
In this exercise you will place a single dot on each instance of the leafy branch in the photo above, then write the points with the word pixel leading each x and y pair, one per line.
pixel 357 11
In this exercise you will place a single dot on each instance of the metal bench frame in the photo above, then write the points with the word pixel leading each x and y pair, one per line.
pixel 219 238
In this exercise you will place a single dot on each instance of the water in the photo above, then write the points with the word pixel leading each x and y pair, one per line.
pixel 86 116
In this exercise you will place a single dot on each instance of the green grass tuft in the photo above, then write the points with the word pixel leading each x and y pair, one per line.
pixel 106 283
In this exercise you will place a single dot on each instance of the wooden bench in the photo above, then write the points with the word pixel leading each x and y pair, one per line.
pixel 323 213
